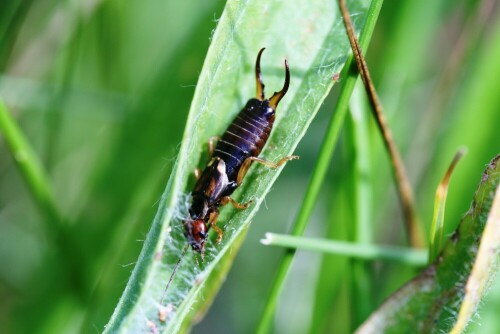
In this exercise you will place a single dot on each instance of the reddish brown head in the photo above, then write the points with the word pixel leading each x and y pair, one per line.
pixel 196 232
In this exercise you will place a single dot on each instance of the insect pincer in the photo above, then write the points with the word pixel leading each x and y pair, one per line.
pixel 277 96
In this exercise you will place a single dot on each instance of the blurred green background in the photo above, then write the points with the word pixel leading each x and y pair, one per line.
pixel 102 89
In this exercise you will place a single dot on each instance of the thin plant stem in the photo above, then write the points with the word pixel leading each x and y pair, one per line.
pixel 30 167
pixel 320 169
pixel 437 227
pixel 413 227
pixel 361 251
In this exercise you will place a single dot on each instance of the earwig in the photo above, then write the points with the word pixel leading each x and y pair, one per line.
pixel 236 150
pixel 230 160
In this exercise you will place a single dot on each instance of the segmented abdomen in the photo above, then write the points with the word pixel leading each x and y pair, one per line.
pixel 245 137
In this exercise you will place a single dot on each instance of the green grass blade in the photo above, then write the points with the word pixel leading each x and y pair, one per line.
pixel 329 292
pixel 213 282
pixel 351 208
pixel 359 119
pixel 321 167
pixel 316 49
pixel 484 270
pixel 361 287
pixel 354 250
pixel 434 297
pixel 30 167
pixel 437 226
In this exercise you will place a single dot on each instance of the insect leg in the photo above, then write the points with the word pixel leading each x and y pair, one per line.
pixel 237 205
pixel 248 161
pixel 212 220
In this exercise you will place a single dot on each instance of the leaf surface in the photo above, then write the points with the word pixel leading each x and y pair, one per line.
pixel 431 302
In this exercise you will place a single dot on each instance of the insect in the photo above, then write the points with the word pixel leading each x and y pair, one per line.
pixel 230 160
pixel 233 155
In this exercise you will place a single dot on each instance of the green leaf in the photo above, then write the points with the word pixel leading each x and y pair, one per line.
pixel 485 267
pixel 316 48
pixel 437 226
pixel 430 303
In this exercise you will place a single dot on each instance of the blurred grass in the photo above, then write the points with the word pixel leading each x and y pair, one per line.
pixel 455 282
pixel 102 90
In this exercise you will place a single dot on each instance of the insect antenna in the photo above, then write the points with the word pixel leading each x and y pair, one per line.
pixel 173 273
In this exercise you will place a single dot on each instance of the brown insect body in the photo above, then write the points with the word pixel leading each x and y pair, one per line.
pixel 246 136
pixel 235 151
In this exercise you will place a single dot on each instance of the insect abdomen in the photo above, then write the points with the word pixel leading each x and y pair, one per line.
pixel 246 136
